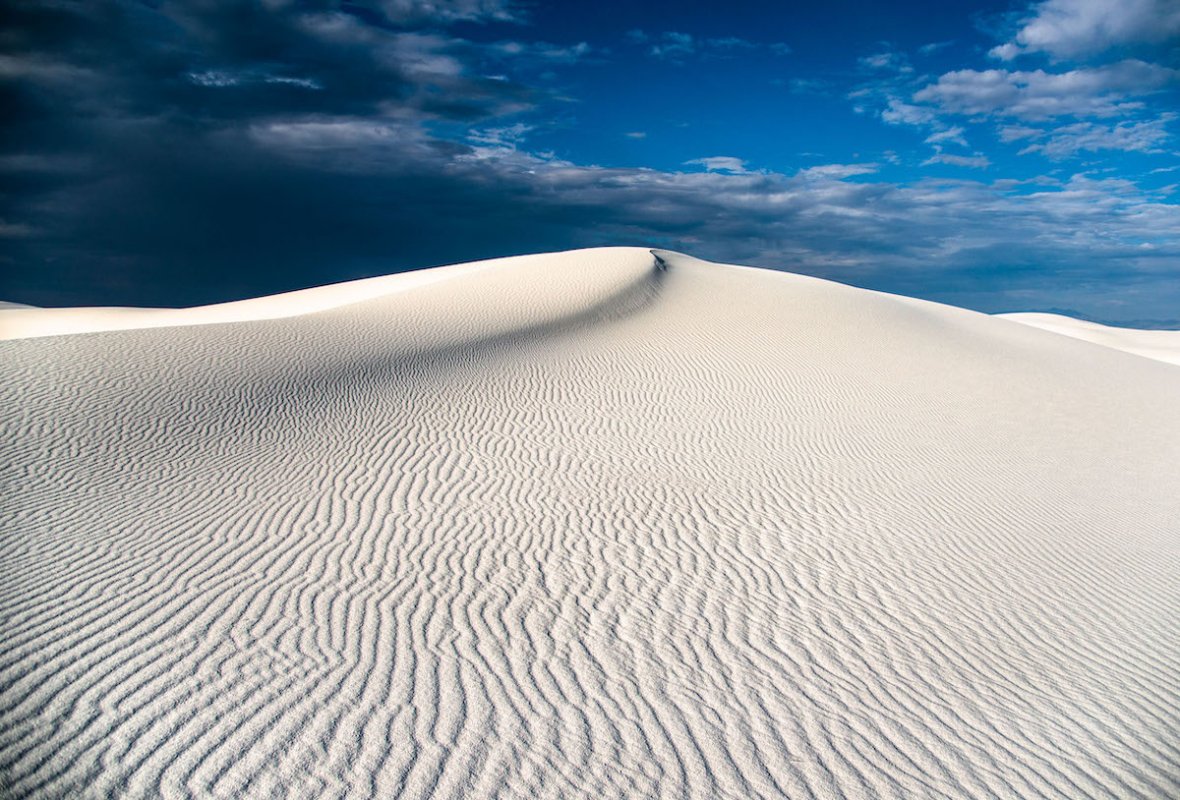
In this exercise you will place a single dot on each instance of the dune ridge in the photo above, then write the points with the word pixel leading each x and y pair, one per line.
pixel 576 525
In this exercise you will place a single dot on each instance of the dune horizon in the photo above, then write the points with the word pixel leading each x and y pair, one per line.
pixel 22 321
pixel 612 522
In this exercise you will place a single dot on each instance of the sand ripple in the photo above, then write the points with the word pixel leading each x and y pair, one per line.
pixel 576 526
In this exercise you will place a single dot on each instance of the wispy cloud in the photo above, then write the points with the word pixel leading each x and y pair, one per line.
pixel 836 171
pixel 895 235
pixel 1013 133
pixel 676 46
pixel 735 166
pixel 886 60
pixel 506 136
pixel 222 79
pixel 977 161
pixel 540 51
pixel 934 47
pixel 1058 112
pixel 1104 91
pixel 952 135
pixel 407 12
pixel 899 112
pixel 673 44
pixel 1068 140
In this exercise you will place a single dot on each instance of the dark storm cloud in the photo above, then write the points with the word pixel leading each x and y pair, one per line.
pixel 133 167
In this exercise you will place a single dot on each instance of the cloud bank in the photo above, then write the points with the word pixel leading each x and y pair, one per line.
pixel 189 154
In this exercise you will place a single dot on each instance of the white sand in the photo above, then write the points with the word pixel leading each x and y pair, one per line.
pixel 571 526
pixel 1160 345
pixel 19 321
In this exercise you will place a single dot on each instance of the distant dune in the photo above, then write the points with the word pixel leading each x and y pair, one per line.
pixel 1160 345
pixel 587 525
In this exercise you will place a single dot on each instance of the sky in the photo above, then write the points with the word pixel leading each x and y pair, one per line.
pixel 1001 156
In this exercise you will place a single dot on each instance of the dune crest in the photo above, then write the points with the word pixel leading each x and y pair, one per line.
pixel 587 525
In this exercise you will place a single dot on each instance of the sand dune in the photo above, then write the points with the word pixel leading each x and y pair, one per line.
pixel 573 525
pixel 19 321
pixel 1160 345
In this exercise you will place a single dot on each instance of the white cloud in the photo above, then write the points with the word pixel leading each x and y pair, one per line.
pixel 1013 133
pixel 220 79
pixel 1061 143
pixel 347 145
pixel 542 51
pixel 934 47
pixel 1016 235
pixel 507 136
pixel 1036 95
pixel 899 112
pixel 636 134
pixel 952 135
pixel 886 60
pixel 977 161
pixel 423 55
pixel 1080 28
pixel 673 45
pixel 1005 52
pixel 332 132
pixel 214 78
pixel 836 171
pixel 303 83
pixel 411 11
pixel 728 164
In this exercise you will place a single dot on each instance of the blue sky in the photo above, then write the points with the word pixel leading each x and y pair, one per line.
pixel 1001 156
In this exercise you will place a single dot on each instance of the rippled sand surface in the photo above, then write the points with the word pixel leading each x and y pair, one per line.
pixel 589 525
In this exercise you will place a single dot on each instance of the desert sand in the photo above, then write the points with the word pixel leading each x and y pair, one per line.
pixel 590 524
pixel 1161 345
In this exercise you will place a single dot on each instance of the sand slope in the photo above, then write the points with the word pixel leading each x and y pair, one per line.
pixel 575 526
pixel 1160 345
pixel 19 321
